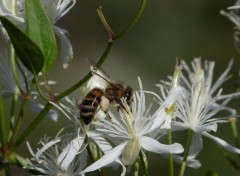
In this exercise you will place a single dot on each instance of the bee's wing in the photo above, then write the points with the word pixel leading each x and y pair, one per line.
pixel 100 77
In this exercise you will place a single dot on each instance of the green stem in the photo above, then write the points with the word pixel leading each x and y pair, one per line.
pixel 136 168
pixel 88 76
pixel 14 70
pixel 233 122
pixel 22 73
pixel 13 106
pixel 135 20
pixel 187 148
pixel 171 166
pixel 91 154
pixel 105 24
pixel 17 126
pixel 49 90
pixel 41 93
pixel 232 162
pixel 3 125
pixel 33 124
pixel 144 165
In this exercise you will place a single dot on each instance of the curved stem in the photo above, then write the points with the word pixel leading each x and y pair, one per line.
pixel 39 88
pixel 187 148
pixel 88 76
pixel 134 21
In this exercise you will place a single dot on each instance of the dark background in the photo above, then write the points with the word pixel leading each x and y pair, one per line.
pixel 168 29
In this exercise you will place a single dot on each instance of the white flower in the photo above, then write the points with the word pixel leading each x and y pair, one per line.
pixel 59 156
pixel 10 89
pixel 133 130
pixel 165 88
pixel 233 15
pixel 200 103
pixel 14 10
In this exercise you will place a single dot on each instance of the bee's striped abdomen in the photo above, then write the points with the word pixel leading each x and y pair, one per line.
pixel 89 105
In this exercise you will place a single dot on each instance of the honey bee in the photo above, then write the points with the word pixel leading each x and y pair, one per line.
pixel 107 92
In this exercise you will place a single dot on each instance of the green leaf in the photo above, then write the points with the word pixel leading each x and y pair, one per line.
pixel 40 30
pixel 211 173
pixel 27 51
pixel 3 129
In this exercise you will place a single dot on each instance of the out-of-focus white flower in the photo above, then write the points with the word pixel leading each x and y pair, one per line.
pixel 10 89
pixel 233 15
pixel 201 102
pixel 60 156
pixel 133 130
pixel 7 81
pixel 14 10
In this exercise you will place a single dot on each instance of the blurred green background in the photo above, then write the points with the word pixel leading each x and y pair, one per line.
pixel 168 29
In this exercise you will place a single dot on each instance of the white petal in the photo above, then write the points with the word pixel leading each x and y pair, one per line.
pixel 201 128
pixel 4 11
pixel 193 163
pixel 106 159
pixel 105 146
pixel 178 126
pixel 100 141
pixel 161 115
pixel 222 143
pixel 173 95
pixel 45 147
pixel 196 146
pixel 152 145
pixel 69 153
pixel 66 51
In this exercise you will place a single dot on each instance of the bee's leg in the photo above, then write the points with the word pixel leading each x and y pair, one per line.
pixel 104 104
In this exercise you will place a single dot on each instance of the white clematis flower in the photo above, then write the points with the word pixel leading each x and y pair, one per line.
pixel 14 10
pixel 133 131
pixel 165 88
pixel 233 15
pixel 59 156
pixel 200 103
pixel 10 89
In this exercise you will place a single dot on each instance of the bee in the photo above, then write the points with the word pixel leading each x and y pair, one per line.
pixel 106 92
